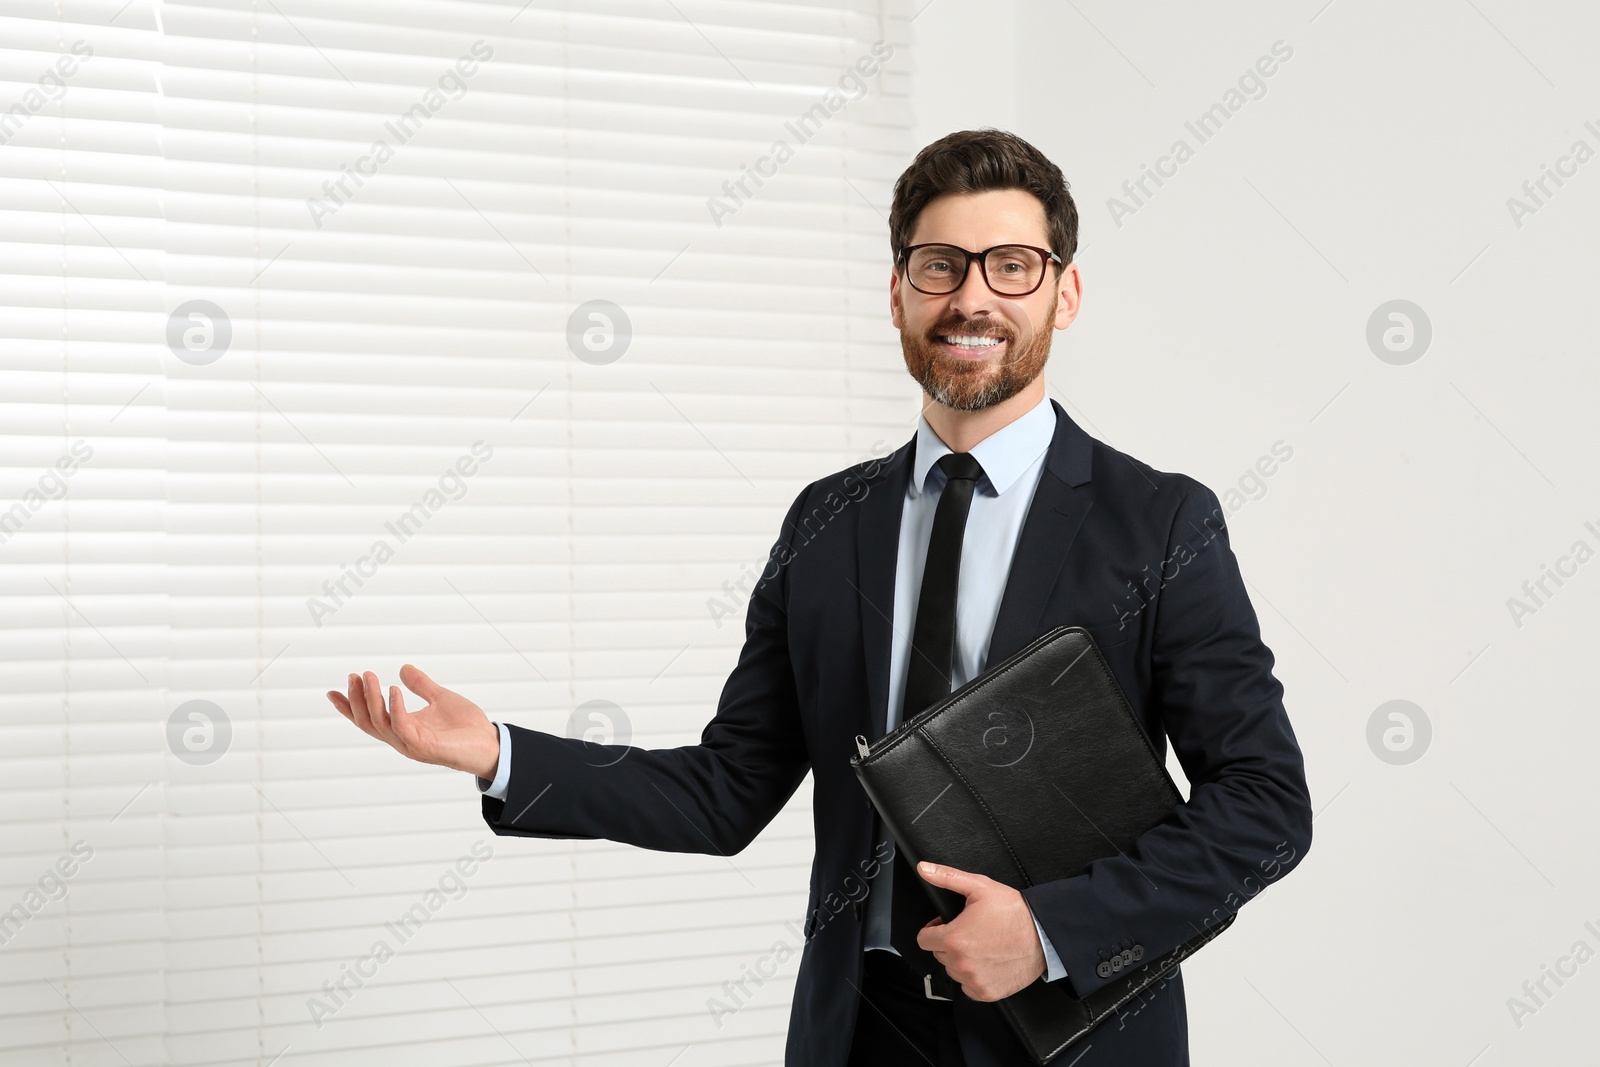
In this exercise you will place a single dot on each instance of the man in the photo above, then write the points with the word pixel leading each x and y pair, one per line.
pixel 1000 520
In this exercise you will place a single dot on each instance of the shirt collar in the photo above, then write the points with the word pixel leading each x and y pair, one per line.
pixel 1004 454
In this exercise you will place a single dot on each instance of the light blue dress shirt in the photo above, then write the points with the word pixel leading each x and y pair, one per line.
pixel 1012 459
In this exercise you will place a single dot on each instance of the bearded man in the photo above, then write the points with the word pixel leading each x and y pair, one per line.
pixel 999 520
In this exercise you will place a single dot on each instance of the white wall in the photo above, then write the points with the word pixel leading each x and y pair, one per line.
pixel 1228 312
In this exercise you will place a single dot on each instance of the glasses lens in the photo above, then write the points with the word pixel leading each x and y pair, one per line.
pixel 1014 269
pixel 936 268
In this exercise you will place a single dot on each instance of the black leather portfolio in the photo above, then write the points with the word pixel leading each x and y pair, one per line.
pixel 1026 774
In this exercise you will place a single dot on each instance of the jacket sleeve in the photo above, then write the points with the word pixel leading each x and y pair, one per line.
pixel 1247 821
pixel 713 797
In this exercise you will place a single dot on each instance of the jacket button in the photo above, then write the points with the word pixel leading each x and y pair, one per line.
pixel 1104 970
pixel 1138 952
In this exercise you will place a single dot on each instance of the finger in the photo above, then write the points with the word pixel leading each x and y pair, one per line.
pixel 372 691
pixel 399 718
pixel 420 683
pixel 407 734
pixel 358 705
pixel 356 712
pixel 964 882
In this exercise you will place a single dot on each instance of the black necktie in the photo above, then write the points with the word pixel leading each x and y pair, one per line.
pixel 928 678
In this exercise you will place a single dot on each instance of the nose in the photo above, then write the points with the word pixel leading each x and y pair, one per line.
pixel 973 297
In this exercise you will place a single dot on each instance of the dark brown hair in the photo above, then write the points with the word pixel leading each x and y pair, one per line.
pixel 974 161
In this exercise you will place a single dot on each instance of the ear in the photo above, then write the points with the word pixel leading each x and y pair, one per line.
pixel 896 314
pixel 1069 295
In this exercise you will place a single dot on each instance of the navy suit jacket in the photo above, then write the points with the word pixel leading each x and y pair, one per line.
pixel 1139 557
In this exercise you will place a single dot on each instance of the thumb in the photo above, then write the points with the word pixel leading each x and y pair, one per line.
pixel 964 882
pixel 421 684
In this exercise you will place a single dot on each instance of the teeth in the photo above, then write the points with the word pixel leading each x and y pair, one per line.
pixel 968 341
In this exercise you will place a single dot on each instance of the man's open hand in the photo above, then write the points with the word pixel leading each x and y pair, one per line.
pixel 450 730
pixel 991 949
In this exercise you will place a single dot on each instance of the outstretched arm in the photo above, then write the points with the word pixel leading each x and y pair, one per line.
pixel 713 797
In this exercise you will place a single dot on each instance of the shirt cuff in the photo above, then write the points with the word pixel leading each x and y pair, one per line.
pixel 502 773
pixel 1054 968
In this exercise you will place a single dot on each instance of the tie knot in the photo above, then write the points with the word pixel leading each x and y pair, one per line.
pixel 960 465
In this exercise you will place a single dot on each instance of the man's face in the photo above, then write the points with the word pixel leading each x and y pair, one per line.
pixel 974 348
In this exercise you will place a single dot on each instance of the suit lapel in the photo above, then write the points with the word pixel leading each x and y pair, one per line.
pixel 1064 496
pixel 877 553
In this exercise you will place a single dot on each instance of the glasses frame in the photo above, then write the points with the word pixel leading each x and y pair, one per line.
pixel 981 258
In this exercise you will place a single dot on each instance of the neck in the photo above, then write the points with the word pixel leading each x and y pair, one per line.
pixel 962 430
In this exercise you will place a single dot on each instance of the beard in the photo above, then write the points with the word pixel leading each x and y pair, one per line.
pixel 975 384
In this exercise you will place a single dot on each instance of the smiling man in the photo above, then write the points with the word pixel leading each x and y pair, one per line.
pixel 893 582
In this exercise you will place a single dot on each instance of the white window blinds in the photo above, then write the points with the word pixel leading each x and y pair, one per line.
pixel 494 337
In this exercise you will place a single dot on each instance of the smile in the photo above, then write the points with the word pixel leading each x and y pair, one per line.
pixel 970 341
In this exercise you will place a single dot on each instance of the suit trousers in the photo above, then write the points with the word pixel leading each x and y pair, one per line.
pixel 896 1023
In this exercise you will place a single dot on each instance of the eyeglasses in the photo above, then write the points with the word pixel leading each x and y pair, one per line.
pixel 1008 270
